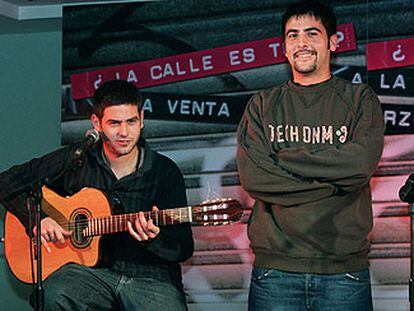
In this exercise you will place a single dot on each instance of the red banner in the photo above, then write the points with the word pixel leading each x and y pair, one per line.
pixel 198 64
pixel 390 54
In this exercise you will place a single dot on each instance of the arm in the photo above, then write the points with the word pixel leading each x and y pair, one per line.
pixel 350 165
pixel 18 180
pixel 259 172
pixel 173 243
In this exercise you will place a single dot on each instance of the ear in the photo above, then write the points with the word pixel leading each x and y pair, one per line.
pixel 96 122
pixel 333 42
pixel 142 118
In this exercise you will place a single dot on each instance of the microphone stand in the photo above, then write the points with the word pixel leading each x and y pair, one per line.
pixel 34 201
pixel 35 204
pixel 406 194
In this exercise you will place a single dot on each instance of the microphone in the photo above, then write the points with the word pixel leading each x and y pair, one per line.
pixel 91 137
pixel 407 191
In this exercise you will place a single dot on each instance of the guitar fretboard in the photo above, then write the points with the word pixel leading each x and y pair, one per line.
pixel 118 223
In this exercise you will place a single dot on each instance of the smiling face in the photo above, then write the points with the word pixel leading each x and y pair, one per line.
pixel 308 49
pixel 120 127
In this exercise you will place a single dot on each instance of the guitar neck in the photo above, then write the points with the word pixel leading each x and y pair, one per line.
pixel 118 223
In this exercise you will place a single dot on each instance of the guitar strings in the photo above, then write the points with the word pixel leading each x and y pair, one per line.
pixel 122 219
pixel 113 222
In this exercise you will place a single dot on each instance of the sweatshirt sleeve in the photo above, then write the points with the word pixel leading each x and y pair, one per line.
pixel 174 243
pixel 260 174
pixel 348 166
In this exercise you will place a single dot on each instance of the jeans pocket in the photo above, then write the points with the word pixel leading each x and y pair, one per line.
pixel 359 276
pixel 260 273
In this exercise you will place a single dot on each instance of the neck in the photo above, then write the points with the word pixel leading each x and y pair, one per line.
pixel 124 164
pixel 311 78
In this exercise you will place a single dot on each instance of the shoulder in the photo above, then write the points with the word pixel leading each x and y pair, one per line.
pixel 261 99
pixel 355 95
pixel 353 89
pixel 163 163
pixel 272 92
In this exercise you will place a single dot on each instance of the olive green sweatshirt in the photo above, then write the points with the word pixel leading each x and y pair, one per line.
pixel 306 155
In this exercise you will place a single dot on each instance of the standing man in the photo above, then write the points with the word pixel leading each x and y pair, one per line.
pixel 138 269
pixel 306 152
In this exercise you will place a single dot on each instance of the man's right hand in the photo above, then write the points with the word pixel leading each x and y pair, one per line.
pixel 52 232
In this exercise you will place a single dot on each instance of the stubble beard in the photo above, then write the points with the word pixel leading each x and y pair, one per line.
pixel 305 68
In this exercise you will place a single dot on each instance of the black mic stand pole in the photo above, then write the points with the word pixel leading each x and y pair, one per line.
pixel 35 199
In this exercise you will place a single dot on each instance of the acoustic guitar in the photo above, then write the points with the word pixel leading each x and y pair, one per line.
pixel 88 215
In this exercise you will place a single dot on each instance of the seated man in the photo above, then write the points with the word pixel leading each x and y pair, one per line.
pixel 138 269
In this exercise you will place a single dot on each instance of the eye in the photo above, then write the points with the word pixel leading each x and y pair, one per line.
pixel 313 34
pixel 133 121
pixel 292 35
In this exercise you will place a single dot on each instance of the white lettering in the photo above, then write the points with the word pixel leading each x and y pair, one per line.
pixel 168 71
pixel 316 135
pixel 399 82
pixel 210 107
pixel 274 47
pixel 224 109
pixel 357 78
pixel 390 116
pixel 405 116
pixel 207 64
pixel 272 133
pixel 294 134
pixel 131 76
pixel 327 134
pixel 185 106
pixel 383 85
pixel 198 108
pixel 179 71
pixel 147 106
pixel 172 107
pixel 279 133
pixel 152 71
pixel 192 68
pixel 307 134
pixel 234 58
pixel 248 55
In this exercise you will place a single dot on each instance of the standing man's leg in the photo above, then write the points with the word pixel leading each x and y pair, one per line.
pixel 344 291
pixel 275 290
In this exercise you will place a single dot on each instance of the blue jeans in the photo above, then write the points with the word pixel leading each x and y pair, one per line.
pixel 76 287
pixel 272 289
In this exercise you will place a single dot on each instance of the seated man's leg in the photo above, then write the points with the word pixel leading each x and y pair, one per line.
pixel 147 294
pixel 76 287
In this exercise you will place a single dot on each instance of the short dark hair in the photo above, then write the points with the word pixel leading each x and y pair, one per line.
pixel 113 93
pixel 319 10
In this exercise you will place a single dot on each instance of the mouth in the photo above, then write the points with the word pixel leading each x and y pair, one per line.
pixel 123 142
pixel 303 55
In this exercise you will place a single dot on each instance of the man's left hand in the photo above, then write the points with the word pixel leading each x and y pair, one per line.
pixel 143 230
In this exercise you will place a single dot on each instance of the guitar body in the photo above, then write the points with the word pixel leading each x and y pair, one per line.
pixel 87 215
pixel 88 202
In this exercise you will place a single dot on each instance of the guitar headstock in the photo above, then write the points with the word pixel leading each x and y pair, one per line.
pixel 216 212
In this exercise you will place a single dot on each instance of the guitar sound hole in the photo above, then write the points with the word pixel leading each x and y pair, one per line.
pixel 79 221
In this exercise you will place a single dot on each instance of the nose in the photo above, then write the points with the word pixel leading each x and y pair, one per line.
pixel 123 130
pixel 302 40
